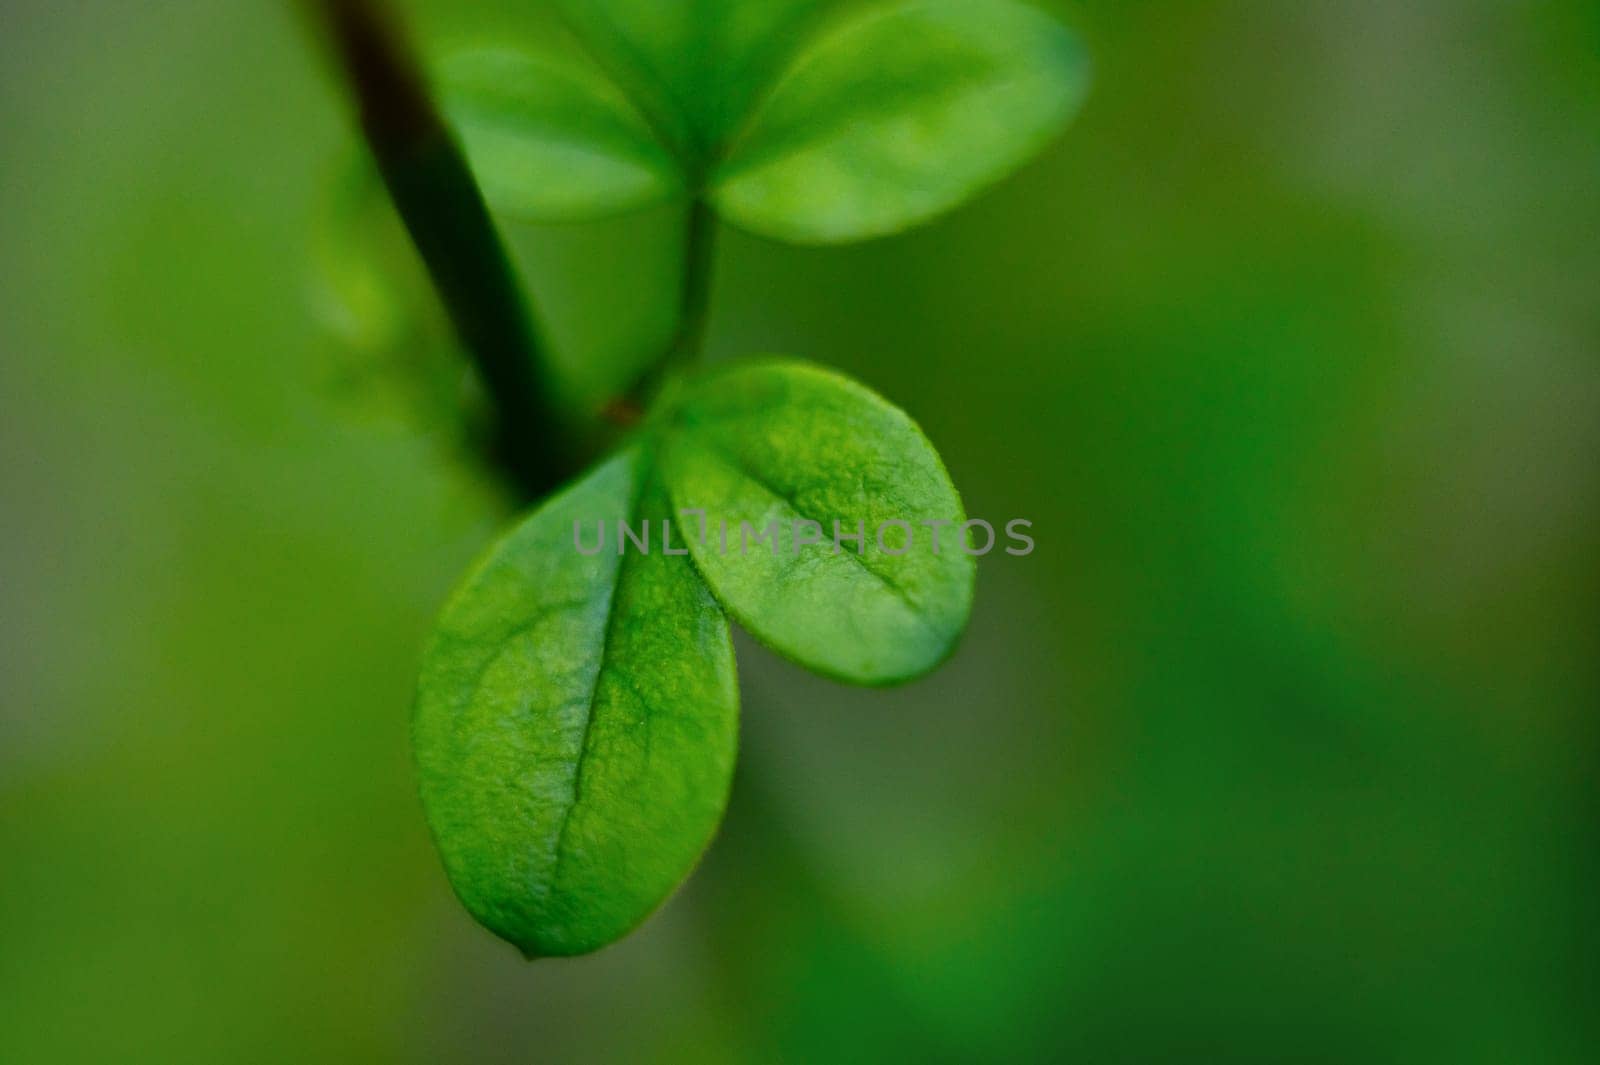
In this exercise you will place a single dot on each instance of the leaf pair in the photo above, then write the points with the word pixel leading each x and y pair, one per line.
pixel 576 716
pixel 577 711
pixel 881 118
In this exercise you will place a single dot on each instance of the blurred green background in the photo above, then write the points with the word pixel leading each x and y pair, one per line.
pixel 1281 746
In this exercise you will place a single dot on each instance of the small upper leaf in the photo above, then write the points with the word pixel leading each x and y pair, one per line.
pixel 784 444
pixel 575 722
pixel 899 114
pixel 551 139
pixel 695 66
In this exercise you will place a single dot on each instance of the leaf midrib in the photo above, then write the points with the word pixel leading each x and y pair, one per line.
pixel 738 464
pixel 624 563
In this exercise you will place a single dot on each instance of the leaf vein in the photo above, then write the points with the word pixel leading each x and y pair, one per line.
pixel 738 463
pixel 594 690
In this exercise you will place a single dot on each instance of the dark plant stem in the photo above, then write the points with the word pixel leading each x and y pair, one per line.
pixel 444 212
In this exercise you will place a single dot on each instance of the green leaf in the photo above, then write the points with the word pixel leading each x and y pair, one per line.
pixel 898 115
pixel 551 139
pixel 575 723
pixel 696 66
pixel 785 443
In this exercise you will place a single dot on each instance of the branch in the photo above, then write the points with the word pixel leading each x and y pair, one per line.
pixel 443 210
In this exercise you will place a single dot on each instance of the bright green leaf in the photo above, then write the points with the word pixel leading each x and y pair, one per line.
pixel 575 722
pixel 898 115
pixel 786 443
pixel 551 139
